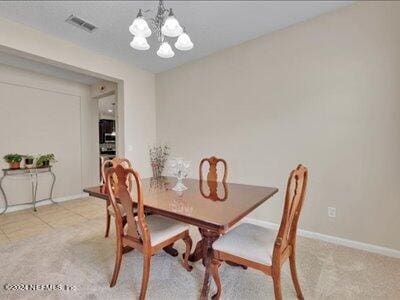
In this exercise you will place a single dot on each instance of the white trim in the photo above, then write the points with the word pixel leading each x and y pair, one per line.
pixel 332 239
pixel 59 199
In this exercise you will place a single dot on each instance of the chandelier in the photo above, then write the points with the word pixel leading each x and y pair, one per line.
pixel 165 26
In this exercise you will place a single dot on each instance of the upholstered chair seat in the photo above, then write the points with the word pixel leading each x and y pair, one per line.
pixel 161 228
pixel 248 241
pixel 120 207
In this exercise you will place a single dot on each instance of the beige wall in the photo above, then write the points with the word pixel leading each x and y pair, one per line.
pixel 136 88
pixel 41 114
pixel 324 93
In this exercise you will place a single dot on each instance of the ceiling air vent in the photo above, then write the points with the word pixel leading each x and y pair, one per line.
pixel 78 22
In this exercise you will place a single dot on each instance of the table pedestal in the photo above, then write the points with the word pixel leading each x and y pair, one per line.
pixel 171 250
pixel 203 251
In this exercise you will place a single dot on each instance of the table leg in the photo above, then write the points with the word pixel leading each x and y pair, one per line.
pixel 4 196
pixel 208 239
pixel 235 264
pixel 171 250
pixel 127 249
pixel 198 251
pixel 52 187
pixel 34 183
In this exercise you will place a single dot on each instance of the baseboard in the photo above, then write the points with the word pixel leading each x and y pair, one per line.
pixel 59 199
pixel 333 239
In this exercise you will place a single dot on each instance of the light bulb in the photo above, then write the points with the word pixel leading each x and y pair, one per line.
pixel 183 42
pixel 171 26
pixel 165 51
pixel 139 26
pixel 139 43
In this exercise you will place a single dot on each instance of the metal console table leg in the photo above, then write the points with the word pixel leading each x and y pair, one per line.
pixel 34 182
pixel 4 196
pixel 52 187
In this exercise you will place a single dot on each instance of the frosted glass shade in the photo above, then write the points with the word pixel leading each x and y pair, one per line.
pixel 139 43
pixel 171 27
pixel 165 51
pixel 140 28
pixel 184 43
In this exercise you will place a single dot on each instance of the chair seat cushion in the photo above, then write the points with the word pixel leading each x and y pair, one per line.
pixel 162 228
pixel 248 241
pixel 121 209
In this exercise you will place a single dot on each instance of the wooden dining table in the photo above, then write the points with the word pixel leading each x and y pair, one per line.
pixel 213 207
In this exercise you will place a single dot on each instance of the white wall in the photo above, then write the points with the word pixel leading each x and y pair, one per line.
pixel 324 93
pixel 136 89
pixel 42 114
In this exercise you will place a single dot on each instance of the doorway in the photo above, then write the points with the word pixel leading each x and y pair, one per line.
pixel 107 107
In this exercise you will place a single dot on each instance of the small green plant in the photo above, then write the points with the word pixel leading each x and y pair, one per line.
pixel 28 156
pixel 13 158
pixel 45 160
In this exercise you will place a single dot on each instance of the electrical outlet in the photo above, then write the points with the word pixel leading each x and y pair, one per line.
pixel 130 148
pixel 332 212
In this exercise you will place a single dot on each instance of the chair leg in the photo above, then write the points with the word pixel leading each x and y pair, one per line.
pixel 276 278
pixel 215 274
pixel 108 219
pixel 146 275
pixel 293 271
pixel 118 260
pixel 188 242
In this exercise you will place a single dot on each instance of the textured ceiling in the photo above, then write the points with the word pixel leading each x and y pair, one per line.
pixel 212 25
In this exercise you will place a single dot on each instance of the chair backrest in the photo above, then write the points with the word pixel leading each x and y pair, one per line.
pixel 107 163
pixel 113 163
pixel 137 228
pixel 295 194
pixel 212 171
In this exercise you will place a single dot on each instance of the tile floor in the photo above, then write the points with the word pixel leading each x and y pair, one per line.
pixel 27 223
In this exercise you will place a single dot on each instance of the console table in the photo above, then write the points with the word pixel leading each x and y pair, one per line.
pixel 33 173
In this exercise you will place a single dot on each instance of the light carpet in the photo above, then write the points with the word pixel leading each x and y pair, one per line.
pixel 80 256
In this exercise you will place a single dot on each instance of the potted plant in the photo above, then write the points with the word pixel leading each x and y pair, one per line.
pixel 29 161
pixel 158 158
pixel 44 160
pixel 14 160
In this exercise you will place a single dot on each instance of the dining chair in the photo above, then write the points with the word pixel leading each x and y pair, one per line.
pixel 261 248
pixel 147 234
pixel 212 171
pixel 105 165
